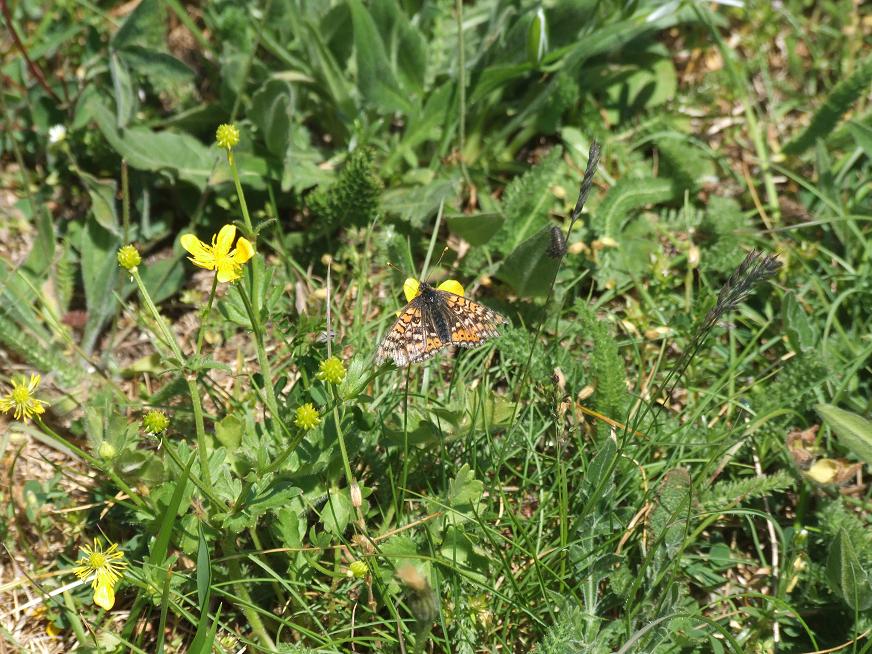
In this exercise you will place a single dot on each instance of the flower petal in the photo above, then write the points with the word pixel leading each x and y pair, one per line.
pixel 104 596
pixel 196 247
pixel 244 250
pixel 225 240
pixel 228 271
pixel 452 286
pixel 411 288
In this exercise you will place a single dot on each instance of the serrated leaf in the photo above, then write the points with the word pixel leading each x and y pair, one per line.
pixel 853 431
pixel 276 495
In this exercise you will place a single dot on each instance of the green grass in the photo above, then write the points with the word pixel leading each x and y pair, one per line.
pixel 654 456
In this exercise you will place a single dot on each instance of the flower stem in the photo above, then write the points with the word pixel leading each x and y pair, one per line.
pixel 204 318
pixel 134 497
pixel 202 449
pixel 262 358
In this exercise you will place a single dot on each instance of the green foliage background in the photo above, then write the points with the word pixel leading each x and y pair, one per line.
pixel 561 489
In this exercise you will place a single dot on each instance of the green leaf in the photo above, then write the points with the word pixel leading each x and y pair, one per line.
pixel 336 512
pixel 375 77
pixel 628 194
pixel 846 575
pixel 800 331
pixel 476 228
pixel 862 136
pixel 669 517
pixel 103 205
pixel 271 112
pixel 168 518
pixel 125 99
pixel 853 431
pixel 97 250
pixel 144 25
pixel 529 269
pixel 274 496
pixel 163 278
pixel 228 431
pixel 464 491
pixel 160 67
pixel 404 44
pixel 145 149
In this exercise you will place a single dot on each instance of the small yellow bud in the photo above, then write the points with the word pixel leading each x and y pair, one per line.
pixel 128 257
pixel 307 417
pixel 155 422
pixel 227 136
pixel 331 370
pixel 358 569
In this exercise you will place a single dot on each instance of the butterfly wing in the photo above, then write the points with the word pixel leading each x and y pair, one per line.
pixel 471 323
pixel 411 339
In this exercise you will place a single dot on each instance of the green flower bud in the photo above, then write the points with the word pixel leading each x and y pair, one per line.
pixel 128 257
pixel 155 422
pixel 227 136
pixel 307 417
pixel 331 370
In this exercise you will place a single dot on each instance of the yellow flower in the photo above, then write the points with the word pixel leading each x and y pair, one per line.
pixel 227 135
pixel 412 287
pixel 219 256
pixel 331 370
pixel 307 416
pixel 21 398
pixel 106 566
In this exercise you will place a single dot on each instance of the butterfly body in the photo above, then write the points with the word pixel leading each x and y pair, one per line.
pixel 433 320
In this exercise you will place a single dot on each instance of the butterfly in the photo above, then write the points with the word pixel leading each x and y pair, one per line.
pixel 434 319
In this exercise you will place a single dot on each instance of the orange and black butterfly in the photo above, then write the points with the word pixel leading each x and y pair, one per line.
pixel 434 319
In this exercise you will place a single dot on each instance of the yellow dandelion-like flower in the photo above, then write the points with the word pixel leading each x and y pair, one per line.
pixel 331 370
pixel 307 416
pixel 227 135
pixel 21 398
pixel 106 566
pixel 221 255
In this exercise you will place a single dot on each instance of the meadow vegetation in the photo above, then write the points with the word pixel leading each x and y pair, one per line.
pixel 209 214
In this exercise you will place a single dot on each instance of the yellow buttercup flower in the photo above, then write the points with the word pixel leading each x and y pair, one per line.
pixel 106 566
pixel 221 255
pixel 21 398
pixel 412 287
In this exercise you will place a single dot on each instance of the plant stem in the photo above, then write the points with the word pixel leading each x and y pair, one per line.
pixel 202 448
pixel 96 463
pixel 205 315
